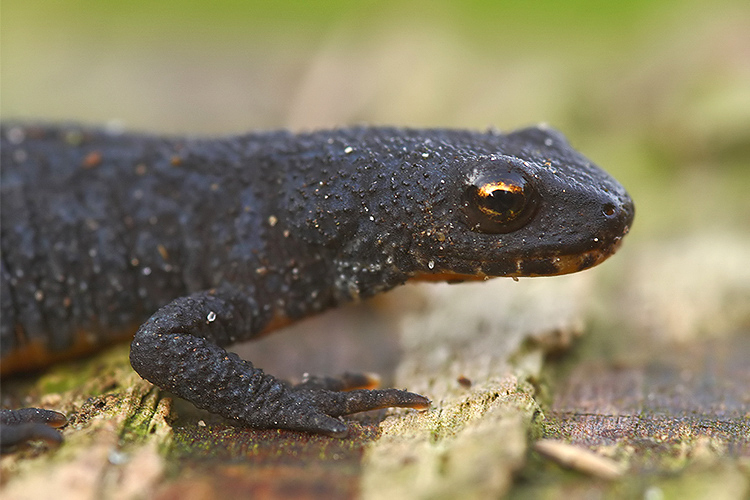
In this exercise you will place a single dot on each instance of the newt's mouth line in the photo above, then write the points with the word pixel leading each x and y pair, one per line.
pixel 563 264
pixel 555 265
pixel 528 266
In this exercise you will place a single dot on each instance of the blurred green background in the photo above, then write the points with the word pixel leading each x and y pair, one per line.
pixel 657 92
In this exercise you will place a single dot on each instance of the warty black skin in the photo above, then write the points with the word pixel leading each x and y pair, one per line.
pixel 225 239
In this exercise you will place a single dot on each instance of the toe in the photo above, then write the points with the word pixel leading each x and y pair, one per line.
pixel 364 400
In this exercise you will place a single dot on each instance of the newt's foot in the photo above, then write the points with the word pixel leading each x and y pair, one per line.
pixel 18 427
pixel 315 410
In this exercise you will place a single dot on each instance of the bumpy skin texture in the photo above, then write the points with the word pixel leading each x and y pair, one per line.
pixel 229 238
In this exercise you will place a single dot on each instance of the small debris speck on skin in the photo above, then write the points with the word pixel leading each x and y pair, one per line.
pixel 92 160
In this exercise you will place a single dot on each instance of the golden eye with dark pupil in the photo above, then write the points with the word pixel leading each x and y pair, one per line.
pixel 500 202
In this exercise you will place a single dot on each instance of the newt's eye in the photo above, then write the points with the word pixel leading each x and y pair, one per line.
pixel 500 202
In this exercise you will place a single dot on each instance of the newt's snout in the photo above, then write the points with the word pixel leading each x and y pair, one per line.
pixel 587 238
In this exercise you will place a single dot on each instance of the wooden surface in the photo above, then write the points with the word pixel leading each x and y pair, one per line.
pixel 634 400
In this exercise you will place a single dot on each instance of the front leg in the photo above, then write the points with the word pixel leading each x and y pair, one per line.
pixel 180 349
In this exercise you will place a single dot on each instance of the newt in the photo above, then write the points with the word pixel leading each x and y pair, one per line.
pixel 213 241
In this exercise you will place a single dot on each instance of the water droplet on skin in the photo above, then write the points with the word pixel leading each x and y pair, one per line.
pixel 15 135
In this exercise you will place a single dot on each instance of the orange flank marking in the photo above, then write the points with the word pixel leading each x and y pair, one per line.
pixel 279 320
pixel 447 276
pixel 92 160
pixel 35 355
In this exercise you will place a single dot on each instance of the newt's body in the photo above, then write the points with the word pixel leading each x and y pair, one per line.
pixel 223 240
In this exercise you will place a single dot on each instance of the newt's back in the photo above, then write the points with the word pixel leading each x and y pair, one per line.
pixel 73 265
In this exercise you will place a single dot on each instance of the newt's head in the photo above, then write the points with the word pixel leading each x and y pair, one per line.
pixel 536 207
